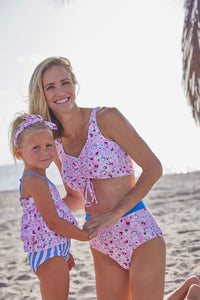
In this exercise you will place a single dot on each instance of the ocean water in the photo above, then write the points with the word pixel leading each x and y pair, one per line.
pixel 10 175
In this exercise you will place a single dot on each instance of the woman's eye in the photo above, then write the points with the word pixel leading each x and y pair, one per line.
pixel 66 82
pixel 36 147
pixel 49 87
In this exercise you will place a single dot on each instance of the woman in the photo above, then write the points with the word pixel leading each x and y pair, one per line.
pixel 95 150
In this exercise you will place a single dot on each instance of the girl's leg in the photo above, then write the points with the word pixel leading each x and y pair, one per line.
pixel 183 290
pixel 112 281
pixel 147 271
pixel 54 279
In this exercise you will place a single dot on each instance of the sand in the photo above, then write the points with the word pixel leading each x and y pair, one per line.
pixel 174 201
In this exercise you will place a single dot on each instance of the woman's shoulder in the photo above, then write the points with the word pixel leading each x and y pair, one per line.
pixel 108 116
pixel 101 112
pixel 107 112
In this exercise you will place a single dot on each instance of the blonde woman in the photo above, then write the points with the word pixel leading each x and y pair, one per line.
pixel 95 148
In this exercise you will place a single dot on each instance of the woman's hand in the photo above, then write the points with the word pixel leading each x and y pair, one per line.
pixel 98 222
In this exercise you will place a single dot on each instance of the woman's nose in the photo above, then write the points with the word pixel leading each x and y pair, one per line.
pixel 60 90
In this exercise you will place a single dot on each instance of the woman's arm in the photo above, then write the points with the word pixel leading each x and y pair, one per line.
pixel 39 190
pixel 73 199
pixel 116 127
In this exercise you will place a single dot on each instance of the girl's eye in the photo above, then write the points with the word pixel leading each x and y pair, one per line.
pixel 36 147
pixel 49 145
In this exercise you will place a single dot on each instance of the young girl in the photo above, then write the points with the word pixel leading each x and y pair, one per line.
pixel 47 222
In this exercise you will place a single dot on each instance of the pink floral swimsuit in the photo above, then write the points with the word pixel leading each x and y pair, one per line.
pixel 35 233
pixel 101 158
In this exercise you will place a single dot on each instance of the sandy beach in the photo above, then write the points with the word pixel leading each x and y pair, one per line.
pixel 174 201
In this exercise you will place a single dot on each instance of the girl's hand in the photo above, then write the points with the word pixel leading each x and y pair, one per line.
pixel 98 222
pixel 70 262
pixel 20 201
pixel 84 236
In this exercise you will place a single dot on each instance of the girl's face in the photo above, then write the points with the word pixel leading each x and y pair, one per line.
pixel 37 149
pixel 59 89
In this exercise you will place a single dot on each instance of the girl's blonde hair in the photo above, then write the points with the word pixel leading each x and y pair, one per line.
pixel 37 100
pixel 17 122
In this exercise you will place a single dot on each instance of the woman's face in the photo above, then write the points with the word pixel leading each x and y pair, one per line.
pixel 59 89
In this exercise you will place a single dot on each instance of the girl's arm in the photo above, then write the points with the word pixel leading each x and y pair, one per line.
pixel 39 190
pixel 73 199
pixel 116 127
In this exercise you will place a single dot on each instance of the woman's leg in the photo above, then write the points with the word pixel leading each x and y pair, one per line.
pixel 54 279
pixel 147 271
pixel 112 281
pixel 183 291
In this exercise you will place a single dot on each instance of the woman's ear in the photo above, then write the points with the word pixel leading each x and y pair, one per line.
pixel 18 153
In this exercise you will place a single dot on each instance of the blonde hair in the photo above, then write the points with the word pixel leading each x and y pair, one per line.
pixel 17 122
pixel 37 100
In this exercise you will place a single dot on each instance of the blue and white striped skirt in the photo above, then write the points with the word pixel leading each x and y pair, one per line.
pixel 37 258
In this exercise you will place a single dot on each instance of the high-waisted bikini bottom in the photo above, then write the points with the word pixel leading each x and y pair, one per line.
pixel 121 239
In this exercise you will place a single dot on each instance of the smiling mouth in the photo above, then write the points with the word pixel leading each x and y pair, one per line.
pixel 45 160
pixel 62 101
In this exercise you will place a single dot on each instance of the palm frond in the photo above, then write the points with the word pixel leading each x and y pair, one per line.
pixel 191 56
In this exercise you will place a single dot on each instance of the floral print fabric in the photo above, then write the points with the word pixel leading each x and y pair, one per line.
pixel 100 158
pixel 35 233
pixel 121 239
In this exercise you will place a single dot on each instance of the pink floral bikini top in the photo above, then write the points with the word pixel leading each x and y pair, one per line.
pixel 100 158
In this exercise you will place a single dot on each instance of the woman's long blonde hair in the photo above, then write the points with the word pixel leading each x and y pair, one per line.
pixel 37 100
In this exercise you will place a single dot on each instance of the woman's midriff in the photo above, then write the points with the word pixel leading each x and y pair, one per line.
pixel 109 192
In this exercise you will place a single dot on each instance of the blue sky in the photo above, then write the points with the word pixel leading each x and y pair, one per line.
pixel 125 54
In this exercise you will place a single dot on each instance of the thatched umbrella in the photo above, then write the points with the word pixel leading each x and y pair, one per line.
pixel 191 56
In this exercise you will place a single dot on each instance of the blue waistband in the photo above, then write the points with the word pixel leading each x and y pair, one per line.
pixel 138 206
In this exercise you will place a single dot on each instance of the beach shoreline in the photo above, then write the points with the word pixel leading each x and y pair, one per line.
pixel 174 201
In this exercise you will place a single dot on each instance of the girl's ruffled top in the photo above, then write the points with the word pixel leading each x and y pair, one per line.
pixel 35 233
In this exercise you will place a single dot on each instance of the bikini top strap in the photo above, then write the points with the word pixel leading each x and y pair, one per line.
pixel 93 121
pixel 95 111
pixel 33 174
